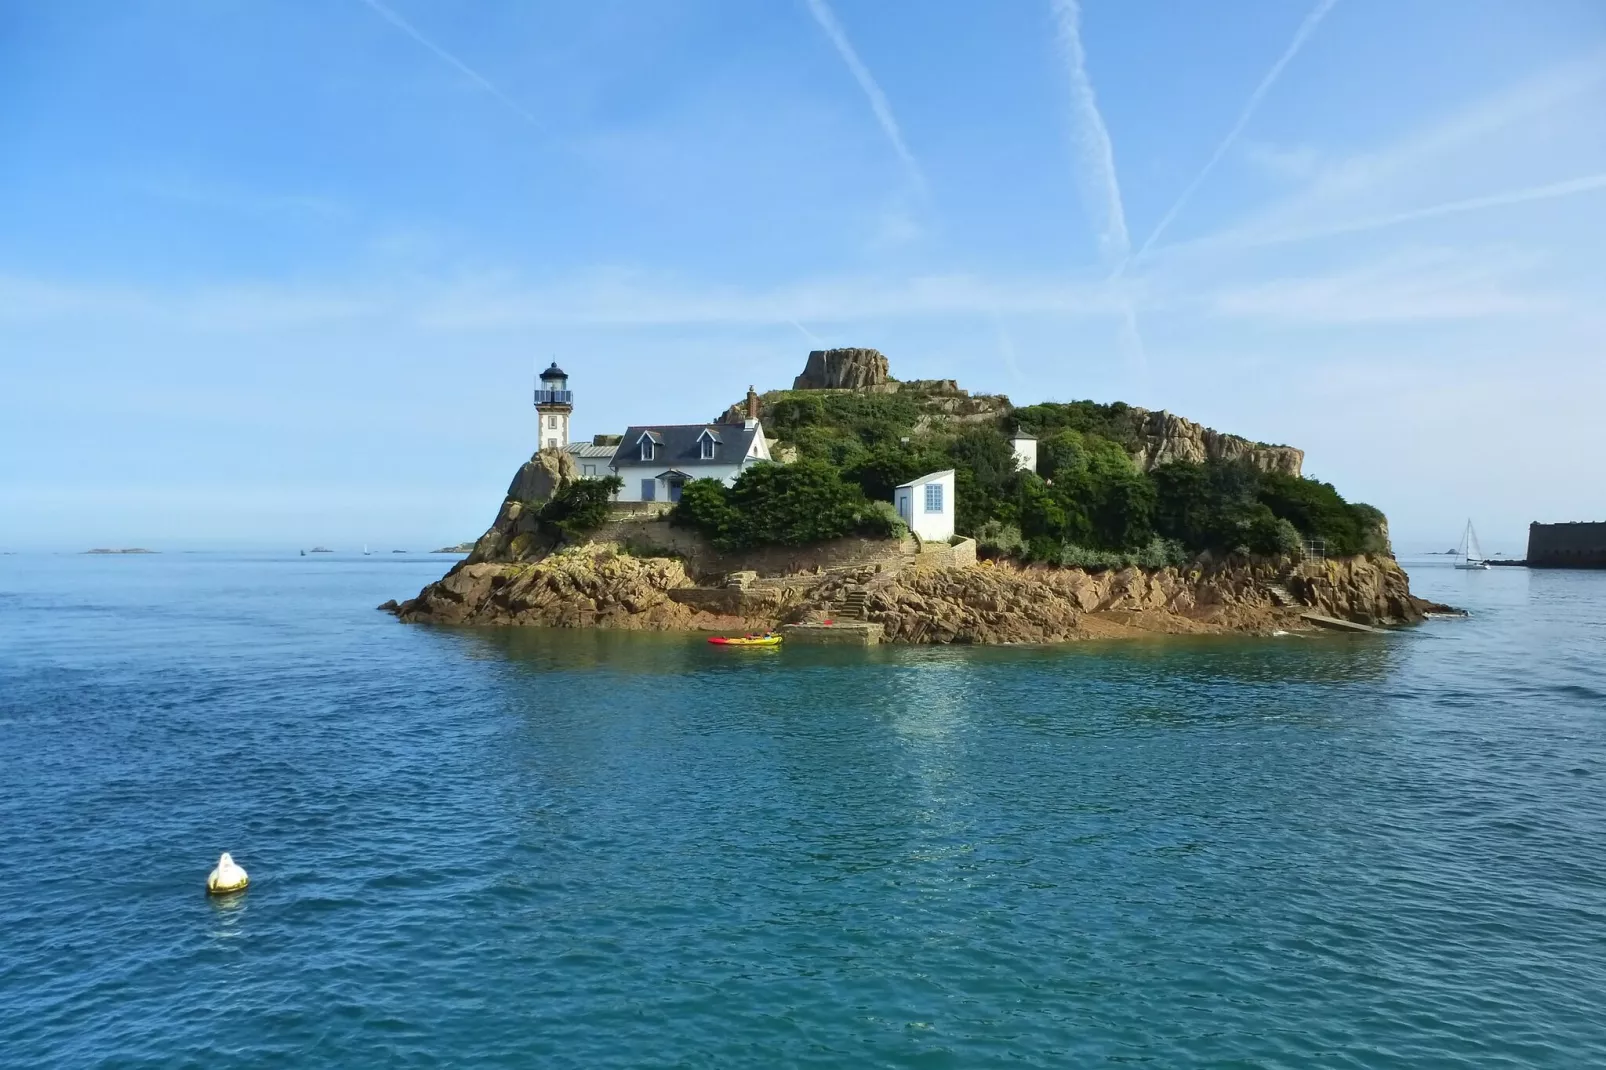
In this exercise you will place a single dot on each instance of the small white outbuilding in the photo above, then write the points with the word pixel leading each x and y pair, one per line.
pixel 1025 447
pixel 927 505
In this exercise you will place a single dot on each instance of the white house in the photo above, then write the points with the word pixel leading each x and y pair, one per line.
pixel 927 505
pixel 1025 447
pixel 655 462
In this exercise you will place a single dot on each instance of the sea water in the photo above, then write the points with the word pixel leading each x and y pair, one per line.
pixel 592 849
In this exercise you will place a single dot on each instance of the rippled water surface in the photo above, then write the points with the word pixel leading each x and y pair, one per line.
pixel 594 850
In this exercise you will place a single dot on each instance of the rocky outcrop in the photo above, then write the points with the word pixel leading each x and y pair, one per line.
pixel 1167 437
pixel 1367 590
pixel 843 369
pixel 540 477
pixel 596 586
pixel 586 587
pixel 1000 603
pixel 514 535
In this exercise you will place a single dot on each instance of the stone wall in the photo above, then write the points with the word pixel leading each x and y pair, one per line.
pixel 1567 545
pixel 944 555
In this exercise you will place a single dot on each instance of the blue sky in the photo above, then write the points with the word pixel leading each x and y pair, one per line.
pixel 278 274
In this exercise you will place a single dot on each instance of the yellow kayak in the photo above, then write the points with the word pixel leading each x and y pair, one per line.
pixel 745 640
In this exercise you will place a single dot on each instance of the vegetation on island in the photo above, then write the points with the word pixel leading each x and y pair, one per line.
pixel 1087 505
pixel 578 507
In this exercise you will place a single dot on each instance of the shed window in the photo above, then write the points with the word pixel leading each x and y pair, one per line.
pixel 933 497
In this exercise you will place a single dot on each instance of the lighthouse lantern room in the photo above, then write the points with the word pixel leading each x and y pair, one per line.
pixel 554 402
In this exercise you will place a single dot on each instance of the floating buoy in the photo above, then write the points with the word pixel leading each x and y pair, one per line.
pixel 226 878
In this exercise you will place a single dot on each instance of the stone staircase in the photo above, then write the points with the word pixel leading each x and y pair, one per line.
pixel 1283 596
pixel 851 606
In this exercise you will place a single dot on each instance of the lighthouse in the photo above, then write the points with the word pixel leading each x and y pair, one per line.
pixel 553 404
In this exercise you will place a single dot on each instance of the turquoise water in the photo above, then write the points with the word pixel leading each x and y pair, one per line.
pixel 608 850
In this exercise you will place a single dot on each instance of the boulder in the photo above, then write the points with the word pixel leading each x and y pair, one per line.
pixel 843 369
pixel 540 477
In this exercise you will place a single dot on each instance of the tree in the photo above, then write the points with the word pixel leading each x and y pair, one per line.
pixel 788 505
pixel 705 506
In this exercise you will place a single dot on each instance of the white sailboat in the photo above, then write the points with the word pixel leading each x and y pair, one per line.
pixel 1469 554
pixel 365 551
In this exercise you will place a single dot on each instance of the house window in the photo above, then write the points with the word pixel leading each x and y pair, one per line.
pixel 933 497
pixel 588 470
pixel 708 448
pixel 649 490
pixel 646 450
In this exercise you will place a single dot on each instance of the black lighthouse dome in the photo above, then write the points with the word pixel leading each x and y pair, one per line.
pixel 553 372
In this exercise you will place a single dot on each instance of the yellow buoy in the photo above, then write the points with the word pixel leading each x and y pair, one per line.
pixel 227 877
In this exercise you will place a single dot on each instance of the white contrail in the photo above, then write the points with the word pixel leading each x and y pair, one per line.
pixel 1569 188
pixel 813 338
pixel 878 100
pixel 1095 157
pixel 1301 35
pixel 1101 189
pixel 475 76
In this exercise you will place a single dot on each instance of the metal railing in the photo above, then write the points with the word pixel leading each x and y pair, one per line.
pixel 554 397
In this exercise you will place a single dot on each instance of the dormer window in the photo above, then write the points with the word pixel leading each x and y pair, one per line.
pixel 646 449
pixel 707 444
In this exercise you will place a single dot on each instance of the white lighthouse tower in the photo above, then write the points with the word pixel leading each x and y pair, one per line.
pixel 553 404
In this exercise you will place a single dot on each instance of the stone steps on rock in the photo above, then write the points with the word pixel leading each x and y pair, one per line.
pixel 1282 596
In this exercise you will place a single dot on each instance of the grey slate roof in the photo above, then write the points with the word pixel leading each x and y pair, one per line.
pixel 678 445
pixel 589 452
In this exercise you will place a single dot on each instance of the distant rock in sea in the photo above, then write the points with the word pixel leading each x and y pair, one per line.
pixel 128 550
pixel 460 548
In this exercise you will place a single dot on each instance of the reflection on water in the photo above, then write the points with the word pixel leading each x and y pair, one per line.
pixel 611 849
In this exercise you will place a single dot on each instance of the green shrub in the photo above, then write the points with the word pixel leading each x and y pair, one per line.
pixel 1157 553
pixel 578 507
pixel 705 507
pixel 997 539
pixel 881 520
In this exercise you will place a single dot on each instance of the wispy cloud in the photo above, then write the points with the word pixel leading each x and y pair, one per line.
pixel 1414 286
pixel 1301 35
pixel 236 199
pixel 474 76
pixel 600 298
pixel 878 100
pixel 1559 110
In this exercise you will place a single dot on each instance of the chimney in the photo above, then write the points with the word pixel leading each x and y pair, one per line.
pixel 752 409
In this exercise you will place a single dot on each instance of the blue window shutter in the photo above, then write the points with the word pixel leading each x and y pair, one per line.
pixel 649 488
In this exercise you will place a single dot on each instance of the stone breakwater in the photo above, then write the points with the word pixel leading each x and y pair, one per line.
pixel 596 586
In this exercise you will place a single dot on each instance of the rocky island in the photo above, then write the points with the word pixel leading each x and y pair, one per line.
pixel 1071 521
